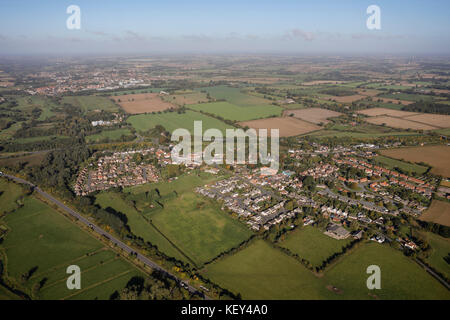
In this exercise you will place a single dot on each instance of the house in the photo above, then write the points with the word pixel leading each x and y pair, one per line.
pixel 337 232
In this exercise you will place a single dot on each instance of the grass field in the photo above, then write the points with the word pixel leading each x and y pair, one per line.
pixel 44 240
pixel 314 115
pixel 28 103
pixel 260 271
pixel 401 278
pixel 173 120
pixel 110 134
pixel 406 166
pixel 198 227
pixel 311 244
pixel 230 111
pixel 186 98
pixel 9 195
pixel 440 249
pixel 436 156
pixel 138 224
pixel 438 212
pixel 91 103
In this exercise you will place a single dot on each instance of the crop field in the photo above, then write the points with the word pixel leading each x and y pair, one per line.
pixel 110 134
pixel 91 103
pixel 235 96
pixel 173 120
pixel 438 212
pixel 311 244
pixel 198 227
pixel 408 96
pixel 42 243
pixel 142 103
pixel 436 156
pixel 260 271
pixel 356 134
pixel 399 123
pixel 401 278
pixel 230 111
pixel 314 115
pixel 394 101
pixel 390 163
pixel 288 126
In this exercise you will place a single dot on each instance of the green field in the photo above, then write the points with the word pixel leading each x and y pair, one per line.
pixel 407 96
pixel 349 134
pixel 110 134
pixel 195 225
pixel 91 103
pixel 40 138
pixel 44 240
pixel 173 120
pixel 28 103
pixel 401 278
pixel 9 196
pixel 235 96
pixel 406 166
pixel 440 249
pixel 138 224
pixel 260 271
pixel 230 111
pixel 311 244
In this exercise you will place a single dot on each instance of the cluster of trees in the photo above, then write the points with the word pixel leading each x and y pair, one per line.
pixel 428 107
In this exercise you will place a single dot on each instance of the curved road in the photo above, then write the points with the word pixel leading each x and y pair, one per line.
pixel 107 235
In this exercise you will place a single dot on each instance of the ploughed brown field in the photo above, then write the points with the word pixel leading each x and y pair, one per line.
pixel 142 103
pixel 438 212
pixel 436 156
pixel 399 123
pixel 437 120
pixel 386 112
pixel 406 120
pixel 288 126
pixel 314 115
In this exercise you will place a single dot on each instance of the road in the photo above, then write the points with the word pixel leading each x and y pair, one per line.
pixel 105 234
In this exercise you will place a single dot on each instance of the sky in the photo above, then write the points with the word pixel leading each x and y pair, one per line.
pixel 241 26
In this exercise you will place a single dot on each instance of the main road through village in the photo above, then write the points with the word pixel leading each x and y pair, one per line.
pixel 103 233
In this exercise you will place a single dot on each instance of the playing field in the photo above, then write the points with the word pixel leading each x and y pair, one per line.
pixel 91 103
pixel 311 244
pixel 390 163
pixel 436 156
pixel 174 120
pixel 438 212
pixel 230 111
pixel 401 278
pixel 42 243
pixel 314 115
pixel 287 126
pixel 260 271
pixel 142 103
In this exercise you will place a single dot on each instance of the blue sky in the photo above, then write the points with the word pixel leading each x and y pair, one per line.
pixel 293 26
